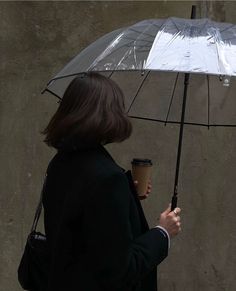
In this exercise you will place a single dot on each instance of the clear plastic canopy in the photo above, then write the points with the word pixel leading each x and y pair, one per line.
pixel 172 45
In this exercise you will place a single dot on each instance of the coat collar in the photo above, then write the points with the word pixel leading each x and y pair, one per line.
pixel 73 145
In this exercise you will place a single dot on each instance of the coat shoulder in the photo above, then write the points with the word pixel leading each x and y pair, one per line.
pixel 91 164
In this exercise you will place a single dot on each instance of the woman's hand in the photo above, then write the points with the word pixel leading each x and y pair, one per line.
pixel 170 220
pixel 149 189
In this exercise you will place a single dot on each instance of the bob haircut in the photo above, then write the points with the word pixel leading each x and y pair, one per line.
pixel 92 110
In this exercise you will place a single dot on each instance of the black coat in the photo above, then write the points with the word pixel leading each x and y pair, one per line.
pixel 98 236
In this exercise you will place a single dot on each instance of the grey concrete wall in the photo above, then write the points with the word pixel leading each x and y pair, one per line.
pixel 37 39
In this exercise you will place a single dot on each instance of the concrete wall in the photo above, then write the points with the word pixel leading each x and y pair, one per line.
pixel 37 39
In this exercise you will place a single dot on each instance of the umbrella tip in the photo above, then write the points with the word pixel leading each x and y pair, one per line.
pixel 193 12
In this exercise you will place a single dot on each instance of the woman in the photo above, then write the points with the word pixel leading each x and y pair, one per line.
pixel 98 236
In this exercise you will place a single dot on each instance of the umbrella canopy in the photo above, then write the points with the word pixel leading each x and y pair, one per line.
pixel 171 45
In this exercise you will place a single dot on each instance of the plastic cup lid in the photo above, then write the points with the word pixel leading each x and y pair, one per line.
pixel 147 162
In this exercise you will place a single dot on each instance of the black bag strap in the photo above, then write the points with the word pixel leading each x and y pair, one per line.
pixel 39 208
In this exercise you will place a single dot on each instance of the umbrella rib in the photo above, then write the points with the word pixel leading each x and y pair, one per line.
pixel 186 123
pixel 141 47
pixel 144 40
pixel 47 90
pixel 140 86
pixel 143 50
pixel 223 31
pixel 159 26
pixel 174 24
pixel 145 33
pixel 63 76
pixel 227 28
pixel 228 38
pixel 172 97
pixel 112 72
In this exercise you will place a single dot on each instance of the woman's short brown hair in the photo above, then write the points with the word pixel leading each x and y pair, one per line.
pixel 92 109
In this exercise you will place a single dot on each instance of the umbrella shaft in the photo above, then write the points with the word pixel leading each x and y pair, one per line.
pixel 174 198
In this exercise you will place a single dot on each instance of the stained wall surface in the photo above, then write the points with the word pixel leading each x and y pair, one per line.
pixel 37 39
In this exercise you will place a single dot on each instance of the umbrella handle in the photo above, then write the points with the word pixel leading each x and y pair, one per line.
pixel 174 202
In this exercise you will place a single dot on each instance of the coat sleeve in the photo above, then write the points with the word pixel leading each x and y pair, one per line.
pixel 119 260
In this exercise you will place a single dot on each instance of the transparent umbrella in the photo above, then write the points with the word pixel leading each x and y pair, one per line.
pixel 152 61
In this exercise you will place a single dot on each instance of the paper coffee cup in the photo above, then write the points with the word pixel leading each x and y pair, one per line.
pixel 141 172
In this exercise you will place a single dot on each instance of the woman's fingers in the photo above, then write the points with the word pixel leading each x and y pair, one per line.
pixel 149 189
